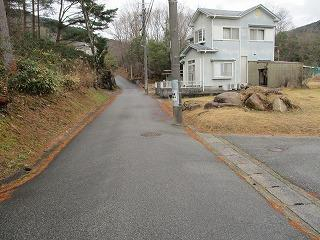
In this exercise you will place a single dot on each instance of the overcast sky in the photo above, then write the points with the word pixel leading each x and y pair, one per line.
pixel 302 11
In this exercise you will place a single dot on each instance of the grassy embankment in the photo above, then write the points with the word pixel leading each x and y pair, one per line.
pixel 50 93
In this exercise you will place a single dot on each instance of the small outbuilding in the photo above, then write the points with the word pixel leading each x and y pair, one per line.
pixel 275 74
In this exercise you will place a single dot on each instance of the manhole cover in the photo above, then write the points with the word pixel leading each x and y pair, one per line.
pixel 276 149
pixel 150 134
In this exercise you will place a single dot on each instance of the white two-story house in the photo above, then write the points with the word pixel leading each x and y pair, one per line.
pixel 222 44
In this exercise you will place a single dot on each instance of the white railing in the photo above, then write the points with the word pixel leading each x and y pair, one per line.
pixel 190 84
pixel 167 84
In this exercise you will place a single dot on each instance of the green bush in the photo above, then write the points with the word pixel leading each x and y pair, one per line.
pixel 47 51
pixel 33 79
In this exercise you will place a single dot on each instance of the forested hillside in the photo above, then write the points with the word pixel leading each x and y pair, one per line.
pixel 300 44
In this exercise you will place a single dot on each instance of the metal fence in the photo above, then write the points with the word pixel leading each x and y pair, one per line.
pixel 316 71
pixel 310 71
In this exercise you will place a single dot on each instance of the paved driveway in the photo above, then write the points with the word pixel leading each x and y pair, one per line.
pixel 132 175
pixel 295 158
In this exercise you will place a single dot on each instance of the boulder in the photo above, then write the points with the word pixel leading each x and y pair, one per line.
pixel 279 106
pixel 208 105
pixel 233 98
pixel 266 91
pixel 255 102
pixel 190 106
pixel 289 103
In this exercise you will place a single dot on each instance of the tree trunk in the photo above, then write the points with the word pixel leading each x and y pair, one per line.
pixel 38 17
pixel 60 24
pixel 6 5
pixel 58 37
pixel 24 16
pixel 5 43
pixel 33 19
pixel 88 26
pixel 6 47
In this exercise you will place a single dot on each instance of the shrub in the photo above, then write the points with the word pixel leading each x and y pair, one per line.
pixel 46 51
pixel 33 79
pixel 71 82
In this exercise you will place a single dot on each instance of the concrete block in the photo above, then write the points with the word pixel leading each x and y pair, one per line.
pixel 309 213
pixel 288 196
pixel 238 159
pixel 250 168
pixel 267 180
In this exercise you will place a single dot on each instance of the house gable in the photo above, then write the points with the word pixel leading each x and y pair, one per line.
pixel 263 8
pixel 226 14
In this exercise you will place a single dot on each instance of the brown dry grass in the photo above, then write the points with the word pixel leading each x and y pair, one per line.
pixel 314 82
pixel 231 120
pixel 34 122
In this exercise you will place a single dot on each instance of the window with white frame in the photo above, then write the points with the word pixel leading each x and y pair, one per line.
pixel 222 69
pixel 230 33
pixel 200 36
pixel 191 71
pixel 257 34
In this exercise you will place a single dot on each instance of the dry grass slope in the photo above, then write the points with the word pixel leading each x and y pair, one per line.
pixel 34 122
pixel 231 120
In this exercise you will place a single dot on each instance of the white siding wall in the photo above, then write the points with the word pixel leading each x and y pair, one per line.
pixel 204 22
pixel 192 55
pixel 257 50
pixel 228 50
pixel 231 50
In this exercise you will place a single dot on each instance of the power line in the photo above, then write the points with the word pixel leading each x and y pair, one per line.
pixel 149 11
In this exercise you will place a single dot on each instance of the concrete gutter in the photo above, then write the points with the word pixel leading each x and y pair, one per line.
pixel 300 208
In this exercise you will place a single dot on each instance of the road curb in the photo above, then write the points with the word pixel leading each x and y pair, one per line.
pixel 10 183
pixel 290 200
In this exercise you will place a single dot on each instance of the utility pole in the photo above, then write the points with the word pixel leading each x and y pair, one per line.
pixel 144 40
pixel 175 61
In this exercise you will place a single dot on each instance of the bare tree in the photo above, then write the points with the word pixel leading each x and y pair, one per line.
pixel 128 24
pixel 158 23
pixel 285 22
pixel 184 18
pixel 285 19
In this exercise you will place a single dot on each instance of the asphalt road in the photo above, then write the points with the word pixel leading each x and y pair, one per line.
pixel 295 158
pixel 132 175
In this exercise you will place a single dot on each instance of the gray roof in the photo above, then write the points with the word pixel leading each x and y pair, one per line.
pixel 198 48
pixel 231 14
pixel 217 12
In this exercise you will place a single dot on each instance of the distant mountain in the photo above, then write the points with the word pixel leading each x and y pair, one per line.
pixel 309 28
